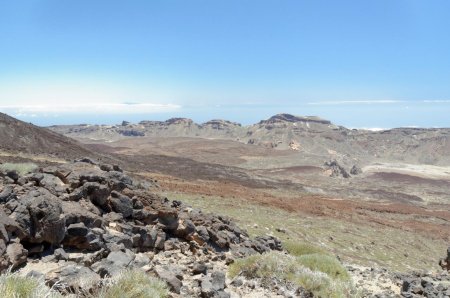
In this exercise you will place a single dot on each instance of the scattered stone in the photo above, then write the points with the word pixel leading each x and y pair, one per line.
pixel 60 254
pixel 199 268
pixel 168 276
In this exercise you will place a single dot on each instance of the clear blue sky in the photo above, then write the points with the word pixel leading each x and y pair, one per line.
pixel 380 63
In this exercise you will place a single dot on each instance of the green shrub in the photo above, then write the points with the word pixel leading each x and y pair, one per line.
pixel 12 285
pixel 324 263
pixel 128 284
pixel 133 284
pixel 301 248
pixel 321 275
pixel 21 168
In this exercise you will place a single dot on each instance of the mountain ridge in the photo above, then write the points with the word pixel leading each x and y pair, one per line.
pixel 312 136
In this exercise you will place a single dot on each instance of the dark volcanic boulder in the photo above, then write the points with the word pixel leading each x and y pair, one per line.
pixel 79 236
pixel 47 220
pixel 121 204
pixel 53 184
pixel 118 180
pixel 171 276
pixel 355 170
pixel 75 213
pixel 97 193
pixel 336 169
pixel 7 194
pixel 10 228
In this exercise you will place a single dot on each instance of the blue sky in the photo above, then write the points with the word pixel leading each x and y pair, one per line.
pixel 381 63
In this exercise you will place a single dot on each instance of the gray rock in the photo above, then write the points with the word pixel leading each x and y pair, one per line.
pixel 53 184
pixel 12 175
pixel 47 219
pixel 60 254
pixel 116 262
pixel 185 229
pixel 73 277
pixel 75 213
pixel 199 268
pixel 355 170
pixel 218 280
pixel 77 229
pixel 118 238
pixel 79 236
pixel 122 259
pixel 7 194
pixel 169 276
pixel 97 193
pixel 16 254
pixel 118 181
pixel 214 285
pixel 121 204
pixel 160 239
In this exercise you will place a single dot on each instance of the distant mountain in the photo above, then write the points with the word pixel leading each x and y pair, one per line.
pixel 18 137
pixel 309 135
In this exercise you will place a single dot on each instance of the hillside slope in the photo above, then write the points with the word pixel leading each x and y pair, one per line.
pixel 19 137
pixel 312 137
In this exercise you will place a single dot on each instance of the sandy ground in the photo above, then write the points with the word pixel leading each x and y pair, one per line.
pixel 423 171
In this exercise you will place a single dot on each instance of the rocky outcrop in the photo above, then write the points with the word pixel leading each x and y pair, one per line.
pixel 219 124
pixel 445 262
pixel 131 133
pixel 85 220
pixel 426 285
pixel 355 170
pixel 336 170
pixel 291 118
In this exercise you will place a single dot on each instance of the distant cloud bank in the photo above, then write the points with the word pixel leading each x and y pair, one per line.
pixel 350 102
pixel 51 110
pixel 368 102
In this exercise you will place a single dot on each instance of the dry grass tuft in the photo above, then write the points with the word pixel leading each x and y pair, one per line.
pixel 20 168
pixel 322 275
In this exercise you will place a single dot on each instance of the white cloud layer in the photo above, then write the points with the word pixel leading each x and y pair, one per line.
pixel 350 102
pixel 87 108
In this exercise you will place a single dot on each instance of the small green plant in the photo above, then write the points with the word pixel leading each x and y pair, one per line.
pixel 324 263
pixel 127 284
pixel 12 285
pixel 302 248
pixel 321 277
pixel 133 284
pixel 20 168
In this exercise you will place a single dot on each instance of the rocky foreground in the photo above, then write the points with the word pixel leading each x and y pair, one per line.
pixel 77 223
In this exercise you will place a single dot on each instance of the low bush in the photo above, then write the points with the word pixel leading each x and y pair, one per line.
pixel 134 284
pixel 302 248
pixel 12 285
pixel 321 277
pixel 128 284
pixel 324 263
pixel 20 168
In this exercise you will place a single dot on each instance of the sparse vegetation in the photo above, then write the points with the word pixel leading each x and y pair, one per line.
pixel 336 236
pixel 20 168
pixel 302 248
pixel 324 282
pixel 12 285
pixel 128 284
pixel 324 263
pixel 133 284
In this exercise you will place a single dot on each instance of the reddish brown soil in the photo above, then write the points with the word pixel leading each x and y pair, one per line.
pixel 408 179
pixel 429 221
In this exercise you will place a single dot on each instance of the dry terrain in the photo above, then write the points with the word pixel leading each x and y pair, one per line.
pixel 393 214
